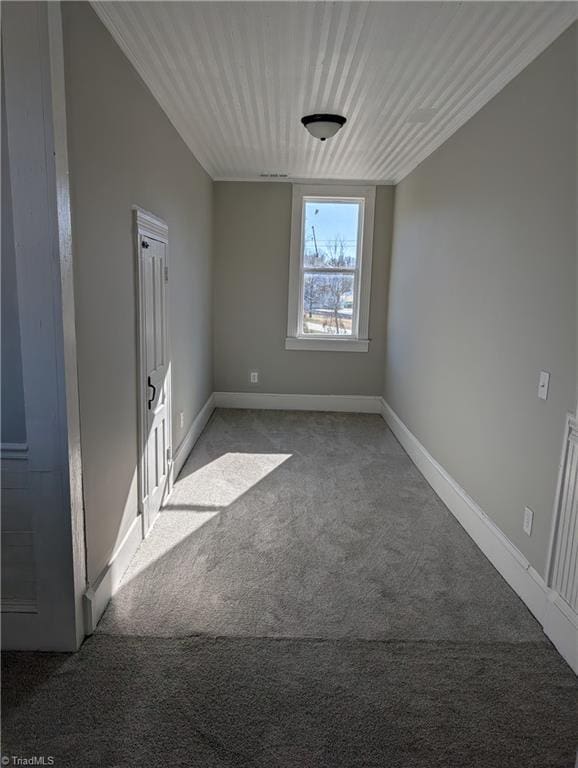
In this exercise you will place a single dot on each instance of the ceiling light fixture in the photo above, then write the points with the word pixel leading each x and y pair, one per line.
pixel 323 127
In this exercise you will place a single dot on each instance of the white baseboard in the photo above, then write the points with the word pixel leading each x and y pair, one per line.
pixel 560 623
pixel 96 597
pixel 187 443
pixel 276 402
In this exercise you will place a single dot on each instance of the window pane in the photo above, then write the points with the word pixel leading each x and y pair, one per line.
pixel 330 234
pixel 328 303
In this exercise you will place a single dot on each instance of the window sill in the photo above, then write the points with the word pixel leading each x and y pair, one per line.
pixel 326 345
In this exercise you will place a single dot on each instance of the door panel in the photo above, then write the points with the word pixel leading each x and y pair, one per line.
pixel 153 254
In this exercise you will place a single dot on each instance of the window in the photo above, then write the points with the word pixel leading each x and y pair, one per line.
pixel 330 270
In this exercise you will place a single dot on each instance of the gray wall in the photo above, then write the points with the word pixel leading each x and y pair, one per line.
pixel 483 296
pixel 124 151
pixel 252 239
pixel 12 416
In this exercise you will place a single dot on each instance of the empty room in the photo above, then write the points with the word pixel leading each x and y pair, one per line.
pixel 289 384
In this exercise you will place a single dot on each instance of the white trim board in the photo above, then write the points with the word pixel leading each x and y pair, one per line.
pixel 335 344
pixel 96 598
pixel 37 149
pixel 282 402
pixel 189 440
pixel 559 622
pixel 14 451
pixel 150 225
pixel 307 180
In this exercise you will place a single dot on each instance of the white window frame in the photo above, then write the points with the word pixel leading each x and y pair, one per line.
pixel 359 340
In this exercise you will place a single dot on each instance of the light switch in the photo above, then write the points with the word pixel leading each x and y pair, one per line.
pixel 543 385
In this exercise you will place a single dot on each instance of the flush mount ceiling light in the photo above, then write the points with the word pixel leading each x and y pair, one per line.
pixel 323 127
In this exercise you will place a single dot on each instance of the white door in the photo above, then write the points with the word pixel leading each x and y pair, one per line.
pixel 155 373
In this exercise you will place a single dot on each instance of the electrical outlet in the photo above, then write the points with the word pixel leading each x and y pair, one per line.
pixel 254 377
pixel 528 520
pixel 181 419
pixel 543 384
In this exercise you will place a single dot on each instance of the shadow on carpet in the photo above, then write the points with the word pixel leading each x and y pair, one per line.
pixel 264 702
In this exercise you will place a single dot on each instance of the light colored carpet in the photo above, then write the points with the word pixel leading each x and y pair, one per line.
pixel 306 601
pixel 294 524
pixel 266 703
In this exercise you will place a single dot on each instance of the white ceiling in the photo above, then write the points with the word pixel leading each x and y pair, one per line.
pixel 236 77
